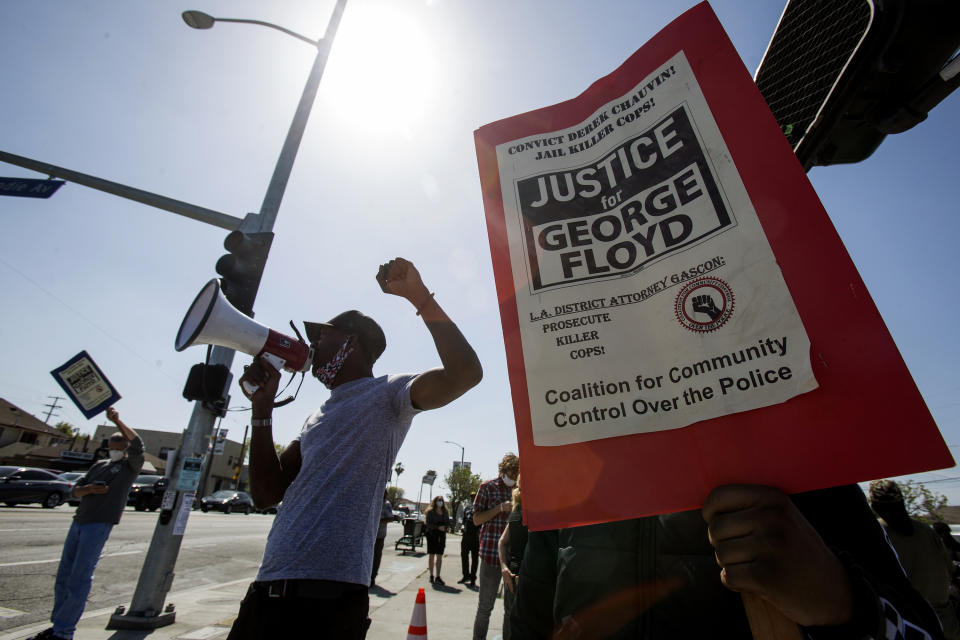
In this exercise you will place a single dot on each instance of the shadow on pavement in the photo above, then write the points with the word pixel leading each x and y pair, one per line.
pixel 130 634
pixel 445 588
pixel 380 592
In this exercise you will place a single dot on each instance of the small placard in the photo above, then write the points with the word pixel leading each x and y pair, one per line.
pixel 85 383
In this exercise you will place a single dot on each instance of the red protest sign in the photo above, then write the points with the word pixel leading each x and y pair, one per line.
pixel 678 310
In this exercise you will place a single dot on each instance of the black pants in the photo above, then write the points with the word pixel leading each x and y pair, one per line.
pixel 308 609
pixel 377 554
pixel 469 548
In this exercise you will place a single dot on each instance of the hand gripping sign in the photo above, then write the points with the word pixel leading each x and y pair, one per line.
pixel 678 311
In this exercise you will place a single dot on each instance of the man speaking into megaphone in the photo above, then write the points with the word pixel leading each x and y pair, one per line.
pixel 316 565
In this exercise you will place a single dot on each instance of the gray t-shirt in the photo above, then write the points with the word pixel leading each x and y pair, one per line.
pixel 108 507
pixel 326 526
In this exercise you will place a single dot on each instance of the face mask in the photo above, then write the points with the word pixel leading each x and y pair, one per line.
pixel 507 480
pixel 115 456
pixel 328 372
pixel 439 505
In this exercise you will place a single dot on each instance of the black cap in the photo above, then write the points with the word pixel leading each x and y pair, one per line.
pixel 368 332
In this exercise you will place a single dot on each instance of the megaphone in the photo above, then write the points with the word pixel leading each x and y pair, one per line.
pixel 211 319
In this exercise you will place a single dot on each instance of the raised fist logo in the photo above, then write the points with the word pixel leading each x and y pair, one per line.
pixel 705 304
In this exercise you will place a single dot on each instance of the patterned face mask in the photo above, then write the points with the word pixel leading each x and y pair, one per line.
pixel 328 372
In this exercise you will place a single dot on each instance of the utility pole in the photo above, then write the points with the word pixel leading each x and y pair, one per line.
pixel 53 406
pixel 156 577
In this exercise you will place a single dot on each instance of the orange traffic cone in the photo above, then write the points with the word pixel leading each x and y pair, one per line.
pixel 418 621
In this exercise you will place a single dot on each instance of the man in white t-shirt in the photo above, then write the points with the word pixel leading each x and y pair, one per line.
pixel 319 554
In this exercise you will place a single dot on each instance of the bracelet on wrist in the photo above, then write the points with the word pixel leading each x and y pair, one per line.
pixel 261 422
pixel 425 302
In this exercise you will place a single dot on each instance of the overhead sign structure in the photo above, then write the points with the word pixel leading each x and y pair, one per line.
pixel 678 311
pixel 457 464
pixel 29 187
pixel 85 384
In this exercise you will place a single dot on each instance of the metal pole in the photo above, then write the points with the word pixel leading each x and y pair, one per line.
pixel 157 574
pixel 278 183
pixel 215 218
pixel 243 451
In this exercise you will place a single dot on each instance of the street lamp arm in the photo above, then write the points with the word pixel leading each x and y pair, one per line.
pixel 296 35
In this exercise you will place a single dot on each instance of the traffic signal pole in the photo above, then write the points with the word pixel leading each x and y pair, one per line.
pixel 156 577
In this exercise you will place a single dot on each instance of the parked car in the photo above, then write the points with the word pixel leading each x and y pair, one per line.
pixel 146 492
pixel 227 500
pixel 5 471
pixel 71 477
pixel 400 512
pixel 27 484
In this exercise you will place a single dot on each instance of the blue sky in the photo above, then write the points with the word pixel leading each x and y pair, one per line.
pixel 126 91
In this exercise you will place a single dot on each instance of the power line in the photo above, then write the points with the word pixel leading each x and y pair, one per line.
pixel 53 405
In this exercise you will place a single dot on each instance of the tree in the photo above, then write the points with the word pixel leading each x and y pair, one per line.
pixel 921 502
pixel 461 484
pixel 394 495
pixel 398 469
pixel 67 429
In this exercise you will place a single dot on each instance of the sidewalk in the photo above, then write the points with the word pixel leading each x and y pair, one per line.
pixel 206 613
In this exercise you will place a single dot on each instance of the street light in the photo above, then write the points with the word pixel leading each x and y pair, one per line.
pixel 146 607
pixel 461 450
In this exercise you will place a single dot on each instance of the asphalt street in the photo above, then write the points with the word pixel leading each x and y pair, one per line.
pixel 219 556
pixel 217 548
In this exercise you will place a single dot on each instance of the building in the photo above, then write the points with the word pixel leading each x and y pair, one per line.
pixel 22 435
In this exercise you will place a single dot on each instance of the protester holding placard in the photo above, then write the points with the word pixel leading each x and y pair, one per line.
pixel 818 557
pixel 103 495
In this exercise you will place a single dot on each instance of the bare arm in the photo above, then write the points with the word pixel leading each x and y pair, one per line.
pixel 270 474
pixel 503 552
pixel 488 515
pixel 460 368
pixel 114 417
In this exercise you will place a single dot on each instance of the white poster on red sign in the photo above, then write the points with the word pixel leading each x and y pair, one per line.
pixel 648 297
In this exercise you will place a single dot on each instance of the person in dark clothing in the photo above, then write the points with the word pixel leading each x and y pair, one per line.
pixel 103 495
pixel 920 550
pixel 510 549
pixel 819 557
pixel 437 519
pixel 469 545
pixel 386 515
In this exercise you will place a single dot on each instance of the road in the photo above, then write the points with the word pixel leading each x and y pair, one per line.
pixel 217 548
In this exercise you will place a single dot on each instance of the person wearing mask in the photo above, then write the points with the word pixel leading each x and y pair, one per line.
pixel 469 545
pixel 437 520
pixel 319 554
pixel 386 515
pixel 103 495
pixel 490 509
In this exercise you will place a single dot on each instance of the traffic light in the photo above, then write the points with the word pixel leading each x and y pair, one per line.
pixel 841 75
pixel 243 266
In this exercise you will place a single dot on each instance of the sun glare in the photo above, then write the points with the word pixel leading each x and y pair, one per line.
pixel 383 69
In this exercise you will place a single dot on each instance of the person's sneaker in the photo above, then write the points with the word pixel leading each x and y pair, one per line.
pixel 440 581
pixel 46 634
pixel 473 584
pixel 463 580
pixel 431 579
